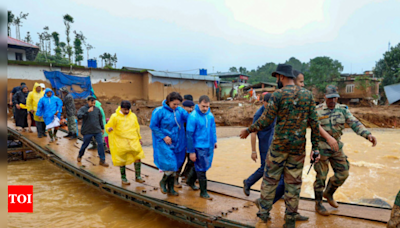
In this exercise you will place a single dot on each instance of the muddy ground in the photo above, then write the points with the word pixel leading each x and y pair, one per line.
pixel 240 113
pixel 235 113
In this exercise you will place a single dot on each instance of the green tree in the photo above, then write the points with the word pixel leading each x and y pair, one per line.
pixel 388 68
pixel 57 50
pixel 78 50
pixel 68 20
pixel 323 71
pixel 63 46
pixel 18 23
pixel 263 73
pixel 10 22
pixel 233 69
pixel 28 38
pixel 243 70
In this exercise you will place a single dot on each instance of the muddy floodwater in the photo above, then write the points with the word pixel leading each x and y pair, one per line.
pixel 64 201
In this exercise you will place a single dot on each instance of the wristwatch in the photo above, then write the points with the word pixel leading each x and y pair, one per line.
pixel 254 152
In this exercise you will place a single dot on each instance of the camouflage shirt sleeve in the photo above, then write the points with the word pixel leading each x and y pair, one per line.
pixel 269 114
pixel 355 124
pixel 314 124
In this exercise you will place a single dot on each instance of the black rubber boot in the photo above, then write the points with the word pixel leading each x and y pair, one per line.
pixel 203 189
pixel 290 222
pixel 319 208
pixel 170 184
pixel 176 180
pixel 68 135
pixel 328 194
pixel 163 184
pixel 191 179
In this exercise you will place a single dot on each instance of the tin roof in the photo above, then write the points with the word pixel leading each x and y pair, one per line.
pixel 229 74
pixel 15 42
pixel 164 74
pixel 392 93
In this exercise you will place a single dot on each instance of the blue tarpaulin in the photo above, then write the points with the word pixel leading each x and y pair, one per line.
pixel 59 80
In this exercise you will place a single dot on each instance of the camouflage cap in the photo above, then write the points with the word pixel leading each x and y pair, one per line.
pixel 331 91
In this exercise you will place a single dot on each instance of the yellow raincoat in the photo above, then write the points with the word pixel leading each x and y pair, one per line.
pixel 33 99
pixel 124 139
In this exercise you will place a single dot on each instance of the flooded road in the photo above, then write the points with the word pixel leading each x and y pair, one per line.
pixel 64 201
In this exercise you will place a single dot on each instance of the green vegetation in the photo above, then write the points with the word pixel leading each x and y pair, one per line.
pixel 318 73
pixel 388 68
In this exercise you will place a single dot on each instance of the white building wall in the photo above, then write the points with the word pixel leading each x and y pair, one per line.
pixel 11 53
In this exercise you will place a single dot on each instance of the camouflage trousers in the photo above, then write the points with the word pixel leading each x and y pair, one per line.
pixel 339 164
pixel 291 165
pixel 71 124
pixel 394 221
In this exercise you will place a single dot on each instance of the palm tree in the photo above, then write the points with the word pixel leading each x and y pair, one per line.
pixel 68 19
pixel 10 22
pixel 18 23
pixel 102 58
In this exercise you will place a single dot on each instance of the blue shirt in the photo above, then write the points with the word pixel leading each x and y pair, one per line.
pixel 265 136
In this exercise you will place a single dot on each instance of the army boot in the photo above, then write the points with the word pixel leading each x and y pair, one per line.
pixel 319 208
pixel 290 221
pixel 328 194
pixel 163 184
pixel 300 217
pixel 170 185
pixel 191 179
pixel 264 216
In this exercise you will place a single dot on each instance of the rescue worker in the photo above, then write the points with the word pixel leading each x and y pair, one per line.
pixel 125 141
pixel 332 117
pixel 264 142
pixel 169 144
pixel 188 105
pixel 92 126
pixel 32 104
pixel 70 110
pixel 394 221
pixel 201 137
pixel 50 108
pixel 13 92
pixel 98 104
pixel 294 109
pixel 21 113
pixel 299 78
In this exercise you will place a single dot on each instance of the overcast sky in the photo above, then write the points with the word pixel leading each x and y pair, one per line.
pixel 177 35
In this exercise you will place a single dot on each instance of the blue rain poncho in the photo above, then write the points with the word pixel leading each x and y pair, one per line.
pixel 48 106
pixel 167 122
pixel 201 137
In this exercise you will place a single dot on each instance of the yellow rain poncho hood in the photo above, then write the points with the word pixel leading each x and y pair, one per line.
pixel 124 139
pixel 33 99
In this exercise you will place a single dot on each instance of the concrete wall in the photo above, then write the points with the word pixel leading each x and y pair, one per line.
pixel 115 85
pixel 159 88
pixel 11 53
pixel 108 85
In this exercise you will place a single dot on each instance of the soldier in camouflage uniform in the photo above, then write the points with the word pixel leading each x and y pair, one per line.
pixel 332 117
pixel 394 221
pixel 70 110
pixel 294 108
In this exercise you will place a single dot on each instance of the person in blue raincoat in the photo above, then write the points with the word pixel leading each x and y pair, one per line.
pixel 48 108
pixel 201 136
pixel 169 144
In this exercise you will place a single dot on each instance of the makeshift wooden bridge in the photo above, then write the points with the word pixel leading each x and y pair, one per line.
pixel 229 207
